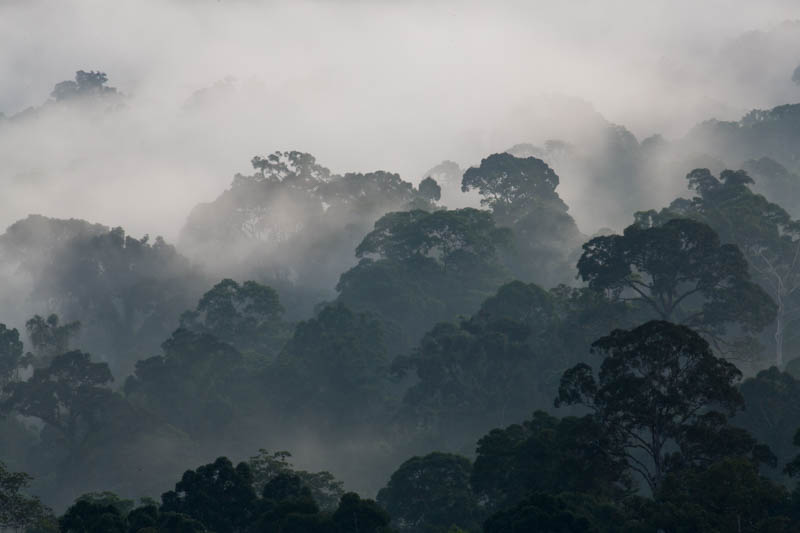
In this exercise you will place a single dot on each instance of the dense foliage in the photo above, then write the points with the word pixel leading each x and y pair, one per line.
pixel 482 368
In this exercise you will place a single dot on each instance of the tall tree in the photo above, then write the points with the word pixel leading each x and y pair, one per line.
pixel 430 494
pixel 69 395
pixel 218 494
pixel 522 195
pixel 333 369
pixel 547 454
pixel 657 388
pixel 418 268
pixel 510 184
pixel 682 272
pixel 192 383
pixel 247 316
pixel 765 233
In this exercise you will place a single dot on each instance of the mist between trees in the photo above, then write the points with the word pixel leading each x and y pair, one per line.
pixel 453 354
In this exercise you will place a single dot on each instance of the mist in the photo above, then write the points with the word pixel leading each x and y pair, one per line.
pixel 398 86
pixel 374 234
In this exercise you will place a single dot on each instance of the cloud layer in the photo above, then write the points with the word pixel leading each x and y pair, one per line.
pixel 362 85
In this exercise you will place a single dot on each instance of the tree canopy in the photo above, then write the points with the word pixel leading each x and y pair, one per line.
pixel 682 272
pixel 657 387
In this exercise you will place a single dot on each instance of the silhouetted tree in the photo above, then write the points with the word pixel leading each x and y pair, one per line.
pixel 69 395
pixel 218 494
pixel 248 316
pixel 656 387
pixel 430 494
pixel 682 272
pixel 17 510
pixel 522 195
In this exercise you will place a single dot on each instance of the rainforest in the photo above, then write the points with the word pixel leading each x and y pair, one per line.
pixel 333 266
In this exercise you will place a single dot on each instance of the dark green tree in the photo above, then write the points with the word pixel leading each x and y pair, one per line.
pixel 565 513
pixel 468 379
pixel 547 454
pixel 218 494
pixel 193 384
pixel 506 360
pixel 70 395
pixel 772 398
pixel 431 494
pixel 728 495
pixel 656 386
pixel 682 273
pixel 429 189
pixel 89 517
pixel 509 184
pixel 522 195
pixel 765 233
pixel 356 515
pixel 287 507
pixel 333 370
pixel 418 268
pixel 247 316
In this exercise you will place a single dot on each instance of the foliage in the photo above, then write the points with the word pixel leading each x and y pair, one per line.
pixel 429 189
pixel 568 513
pixel 682 272
pixel 418 268
pixel 469 378
pixel 772 415
pixel 547 454
pixel 333 368
pixel 521 193
pixel 219 495
pixel 90 517
pixel 86 84
pixel 504 361
pixel 765 233
pixel 126 293
pixel 655 389
pixel 191 384
pixel 356 515
pixel 729 495
pixel 431 494
pixel 325 489
pixel 17 510
pixel 49 338
pixel 772 133
pixel 69 395
pixel 509 183
pixel 293 224
pixel 247 316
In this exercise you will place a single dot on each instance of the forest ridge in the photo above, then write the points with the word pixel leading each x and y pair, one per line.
pixel 480 367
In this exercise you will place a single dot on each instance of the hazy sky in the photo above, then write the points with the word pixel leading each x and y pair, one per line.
pixel 397 85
